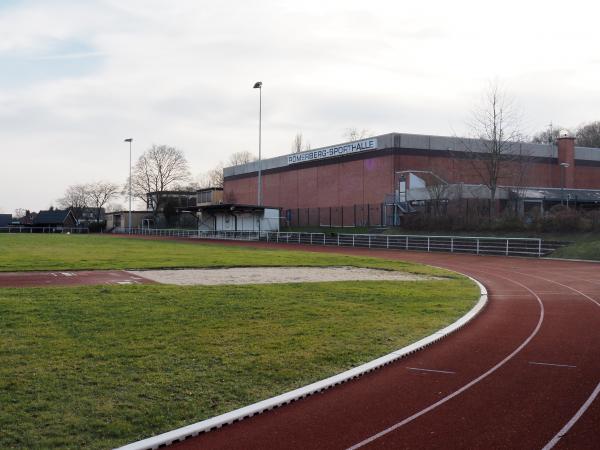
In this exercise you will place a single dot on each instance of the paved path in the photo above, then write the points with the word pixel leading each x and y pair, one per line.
pixel 525 369
pixel 69 278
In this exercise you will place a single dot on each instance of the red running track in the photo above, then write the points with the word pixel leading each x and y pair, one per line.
pixel 69 278
pixel 526 368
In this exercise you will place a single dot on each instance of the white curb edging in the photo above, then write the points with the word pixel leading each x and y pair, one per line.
pixel 188 431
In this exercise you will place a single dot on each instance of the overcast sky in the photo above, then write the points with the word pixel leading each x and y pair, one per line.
pixel 77 77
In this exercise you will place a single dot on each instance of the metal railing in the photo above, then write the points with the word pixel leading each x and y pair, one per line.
pixel 479 245
pixel 177 232
pixel 46 230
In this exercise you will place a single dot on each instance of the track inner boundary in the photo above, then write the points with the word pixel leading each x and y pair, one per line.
pixel 183 433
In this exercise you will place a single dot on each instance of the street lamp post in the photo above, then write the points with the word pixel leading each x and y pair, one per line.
pixel 563 168
pixel 130 140
pixel 258 85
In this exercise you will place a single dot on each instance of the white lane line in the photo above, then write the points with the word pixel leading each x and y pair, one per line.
pixel 564 285
pixel 430 370
pixel 564 430
pixel 551 364
pixel 67 274
pixel 468 385
pixel 594 394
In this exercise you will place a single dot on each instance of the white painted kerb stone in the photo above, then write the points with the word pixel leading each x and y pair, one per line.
pixel 273 402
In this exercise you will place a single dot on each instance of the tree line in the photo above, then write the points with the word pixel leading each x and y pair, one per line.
pixel 586 135
pixel 160 168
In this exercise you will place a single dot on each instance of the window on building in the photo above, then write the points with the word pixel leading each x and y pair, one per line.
pixel 205 197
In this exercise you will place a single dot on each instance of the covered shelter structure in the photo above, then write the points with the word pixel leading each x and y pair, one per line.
pixel 234 217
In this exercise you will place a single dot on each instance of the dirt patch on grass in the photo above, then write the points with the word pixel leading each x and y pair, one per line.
pixel 265 275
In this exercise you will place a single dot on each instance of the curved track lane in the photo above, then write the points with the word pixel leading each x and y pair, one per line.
pixel 513 378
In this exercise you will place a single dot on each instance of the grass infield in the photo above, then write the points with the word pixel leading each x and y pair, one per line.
pixel 101 366
pixel 78 252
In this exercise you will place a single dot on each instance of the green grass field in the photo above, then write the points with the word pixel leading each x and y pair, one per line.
pixel 101 366
pixel 77 252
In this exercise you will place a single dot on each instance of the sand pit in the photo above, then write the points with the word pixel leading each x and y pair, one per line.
pixel 265 275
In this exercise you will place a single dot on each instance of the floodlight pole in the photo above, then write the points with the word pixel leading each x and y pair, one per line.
pixel 258 85
pixel 130 140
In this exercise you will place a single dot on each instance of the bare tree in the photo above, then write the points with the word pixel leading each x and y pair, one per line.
pixel 159 168
pixel 213 177
pixel 494 127
pixel 20 213
pixel 438 195
pixel 239 158
pixel 354 134
pixel 547 136
pixel 100 193
pixel 114 207
pixel 298 144
pixel 76 198
pixel 588 135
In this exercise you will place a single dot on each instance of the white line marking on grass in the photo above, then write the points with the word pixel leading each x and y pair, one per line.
pixel 564 430
pixel 466 386
pixel 430 370
pixel 550 364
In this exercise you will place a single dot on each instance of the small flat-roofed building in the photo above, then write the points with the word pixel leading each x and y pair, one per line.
pixel 159 200
pixel 120 219
pixel 209 196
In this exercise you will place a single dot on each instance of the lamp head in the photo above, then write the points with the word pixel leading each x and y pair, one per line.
pixel 258 85
pixel 128 140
